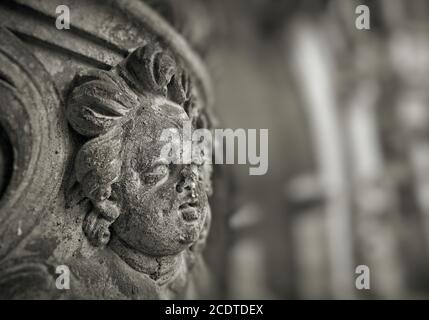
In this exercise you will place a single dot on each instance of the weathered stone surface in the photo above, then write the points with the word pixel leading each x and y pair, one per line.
pixel 81 181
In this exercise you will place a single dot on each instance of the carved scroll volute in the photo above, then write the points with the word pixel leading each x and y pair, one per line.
pixel 32 142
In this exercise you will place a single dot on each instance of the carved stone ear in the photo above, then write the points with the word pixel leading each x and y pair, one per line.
pixel 32 129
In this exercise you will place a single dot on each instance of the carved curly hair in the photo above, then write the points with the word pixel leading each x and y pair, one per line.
pixel 100 103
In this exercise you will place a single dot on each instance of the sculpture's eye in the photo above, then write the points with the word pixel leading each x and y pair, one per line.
pixel 158 173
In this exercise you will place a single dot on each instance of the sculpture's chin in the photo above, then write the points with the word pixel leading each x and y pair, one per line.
pixel 192 229
pixel 189 238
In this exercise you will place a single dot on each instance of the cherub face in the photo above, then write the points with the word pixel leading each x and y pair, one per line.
pixel 163 206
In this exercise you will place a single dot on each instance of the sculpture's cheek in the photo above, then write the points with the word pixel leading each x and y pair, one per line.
pixel 152 227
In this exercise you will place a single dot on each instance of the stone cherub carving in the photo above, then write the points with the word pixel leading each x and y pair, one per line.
pixel 83 181
pixel 150 216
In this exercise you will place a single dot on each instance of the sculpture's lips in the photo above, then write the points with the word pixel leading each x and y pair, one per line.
pixel 189 210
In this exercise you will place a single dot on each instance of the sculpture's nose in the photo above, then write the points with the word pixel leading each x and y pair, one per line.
pixel 189 179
